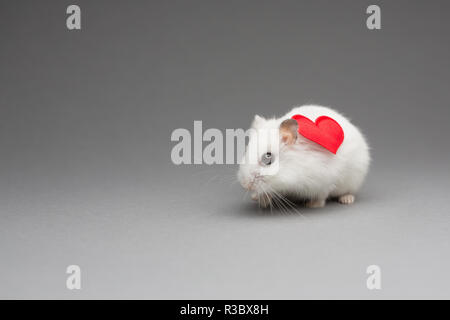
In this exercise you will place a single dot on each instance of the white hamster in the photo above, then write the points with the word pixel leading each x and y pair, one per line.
pixel 305 169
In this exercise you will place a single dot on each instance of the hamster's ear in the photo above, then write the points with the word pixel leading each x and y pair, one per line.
pixel 288 131
pixel 257 121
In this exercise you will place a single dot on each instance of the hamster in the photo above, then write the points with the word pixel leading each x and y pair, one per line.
pixel 305 169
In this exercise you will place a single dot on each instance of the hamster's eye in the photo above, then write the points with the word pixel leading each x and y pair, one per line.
pixel 267 158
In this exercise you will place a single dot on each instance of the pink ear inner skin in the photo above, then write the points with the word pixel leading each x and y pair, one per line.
pixel 325 131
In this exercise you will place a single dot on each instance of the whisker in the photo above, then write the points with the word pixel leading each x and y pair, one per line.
pixel 286 202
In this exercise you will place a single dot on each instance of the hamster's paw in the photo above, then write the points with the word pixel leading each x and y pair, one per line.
pixel 346 199
pixel 265 201
pixel 319 203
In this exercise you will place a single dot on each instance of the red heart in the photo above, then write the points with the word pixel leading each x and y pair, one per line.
pixel 325 131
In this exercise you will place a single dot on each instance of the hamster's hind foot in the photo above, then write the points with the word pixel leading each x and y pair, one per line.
pixel 315 203
pixel 346 199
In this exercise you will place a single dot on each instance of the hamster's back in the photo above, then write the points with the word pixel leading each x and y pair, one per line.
pixel 353 153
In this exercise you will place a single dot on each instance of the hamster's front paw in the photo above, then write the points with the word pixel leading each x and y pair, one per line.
pixel 318 203
pixel 347 199
pixel 264 199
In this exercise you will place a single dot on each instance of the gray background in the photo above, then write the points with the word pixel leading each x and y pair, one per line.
pixel 85 170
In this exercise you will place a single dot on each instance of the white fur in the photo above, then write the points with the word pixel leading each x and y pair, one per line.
pixel 306 169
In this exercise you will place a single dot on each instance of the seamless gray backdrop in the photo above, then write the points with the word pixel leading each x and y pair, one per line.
pixel 85 171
